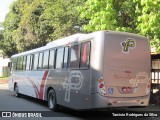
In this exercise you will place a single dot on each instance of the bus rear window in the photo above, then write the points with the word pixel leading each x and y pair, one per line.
pixel 85 54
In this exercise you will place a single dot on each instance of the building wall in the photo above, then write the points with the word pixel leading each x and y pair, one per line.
pixel 4 70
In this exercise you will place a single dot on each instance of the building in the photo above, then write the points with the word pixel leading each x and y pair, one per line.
pixel 4 70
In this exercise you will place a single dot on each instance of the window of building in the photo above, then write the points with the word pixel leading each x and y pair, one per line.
pixel 59 58
pixel 51 59
pixel 45 59
pixel 40 61
pixel 74 56
pixel 85 55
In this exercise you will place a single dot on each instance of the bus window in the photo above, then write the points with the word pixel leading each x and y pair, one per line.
pixel 65 64
pixel 85 54
pixel 45 59
pixel 20 63
pixel 24 62
pixel 74 56
pixel 35 61
pixel 51 59
pixel 59 58
pixel 14 63
pixel 32 62
pixel 28 62
pixel 40 61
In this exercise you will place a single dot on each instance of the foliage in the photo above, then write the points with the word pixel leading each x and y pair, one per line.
pixel 33 23
pixel 137 16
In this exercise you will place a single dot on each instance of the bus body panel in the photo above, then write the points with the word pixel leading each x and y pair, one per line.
pixel 72 87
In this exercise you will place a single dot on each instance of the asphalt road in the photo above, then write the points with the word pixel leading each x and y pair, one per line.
pixel 10 103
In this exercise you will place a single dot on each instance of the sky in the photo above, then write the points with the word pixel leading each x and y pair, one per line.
pixel 4 8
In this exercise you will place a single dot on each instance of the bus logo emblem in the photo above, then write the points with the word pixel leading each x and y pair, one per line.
pixel 130 43
pixel 140 78
pixel 70 84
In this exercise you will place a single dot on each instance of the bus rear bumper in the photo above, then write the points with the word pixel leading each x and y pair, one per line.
pixel 105 102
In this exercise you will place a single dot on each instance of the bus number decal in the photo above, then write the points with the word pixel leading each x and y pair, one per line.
pixel 74 82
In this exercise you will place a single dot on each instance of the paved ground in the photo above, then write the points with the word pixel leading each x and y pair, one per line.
pixel 8 102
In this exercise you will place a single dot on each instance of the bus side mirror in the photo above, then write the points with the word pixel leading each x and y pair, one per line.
pixel 9 64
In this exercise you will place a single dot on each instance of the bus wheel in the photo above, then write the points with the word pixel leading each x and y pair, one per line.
pixel 52 102
pixel 16 90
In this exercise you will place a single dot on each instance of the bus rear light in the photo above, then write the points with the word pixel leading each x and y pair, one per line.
pixel 101 87
pixel 148 87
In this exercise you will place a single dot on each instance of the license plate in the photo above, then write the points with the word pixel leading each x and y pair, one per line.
pixel 127 101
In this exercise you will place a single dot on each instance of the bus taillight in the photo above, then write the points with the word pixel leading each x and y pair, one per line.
pixel 101 87
pixel 148 88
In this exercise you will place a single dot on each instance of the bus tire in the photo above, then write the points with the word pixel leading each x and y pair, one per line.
pixel 16 90
pixel 52 101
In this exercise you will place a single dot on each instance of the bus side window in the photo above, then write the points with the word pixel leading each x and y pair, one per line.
pixel 51 59
pixel 24 62
pixel 28 62
pixel 74 56
pixel 15 64
pixel 35 63
pixel 59 58
pixel 20 63
pixel 65 63
pixel 85 55
pixel 40 61
pixel 45 59
pixel 31 62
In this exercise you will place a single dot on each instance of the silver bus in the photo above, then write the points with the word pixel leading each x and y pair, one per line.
pixel 86 71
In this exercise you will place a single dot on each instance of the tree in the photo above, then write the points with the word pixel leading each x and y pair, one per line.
pixel 149 20
pixel 63 16
pixel 109 14
pixel 33 23
pixel 141 17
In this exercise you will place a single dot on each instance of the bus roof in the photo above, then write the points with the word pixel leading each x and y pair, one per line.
pixel 56 43
pixel 69 39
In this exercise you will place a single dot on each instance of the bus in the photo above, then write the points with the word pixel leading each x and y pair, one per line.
pixel 86 71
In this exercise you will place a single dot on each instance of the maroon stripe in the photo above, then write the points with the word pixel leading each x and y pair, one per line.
pixel 42 85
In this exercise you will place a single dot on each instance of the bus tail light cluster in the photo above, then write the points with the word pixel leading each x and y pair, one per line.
pixel 148 88
pixel 101 87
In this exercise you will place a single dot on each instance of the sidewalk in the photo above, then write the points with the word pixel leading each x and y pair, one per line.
pixel 3 86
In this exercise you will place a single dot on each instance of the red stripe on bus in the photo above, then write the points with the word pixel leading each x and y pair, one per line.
pixel 40 93
pixel 35 87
